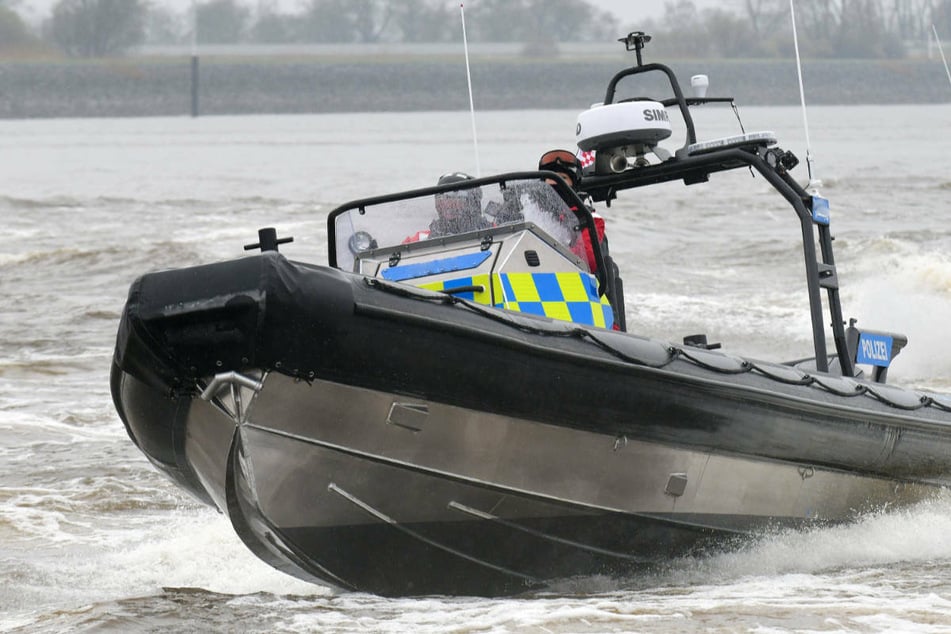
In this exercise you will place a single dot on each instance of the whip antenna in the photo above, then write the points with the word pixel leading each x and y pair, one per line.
pixel 802 97
pixel 820 205
pixel 941 50
pixel 465 45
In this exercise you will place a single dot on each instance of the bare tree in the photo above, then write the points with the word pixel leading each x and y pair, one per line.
pixel 347 20
pixel 498 21
pixel 273 27
pixel 941 18
pixel 739 28
pixel 689 38
pixel 425 21
pixel 766 16
pixel 909 19
pixel 222 21
pixel 163 26
pixel 370 18
pixel 97 28
pixel 540 23
pixel 15 36
pixel 327 21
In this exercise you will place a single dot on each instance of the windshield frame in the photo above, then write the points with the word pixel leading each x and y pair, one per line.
pixel 568 195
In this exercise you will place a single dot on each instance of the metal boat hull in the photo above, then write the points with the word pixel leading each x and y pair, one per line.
pixel 469 503
pixel 499 458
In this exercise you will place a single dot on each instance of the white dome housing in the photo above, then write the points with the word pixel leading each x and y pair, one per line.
pixel 629 123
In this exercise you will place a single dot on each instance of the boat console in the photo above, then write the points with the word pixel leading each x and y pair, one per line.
pixel 521 247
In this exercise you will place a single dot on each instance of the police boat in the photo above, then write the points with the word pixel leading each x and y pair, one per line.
pixel 467 413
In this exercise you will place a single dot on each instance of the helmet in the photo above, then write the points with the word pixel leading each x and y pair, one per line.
pixel 562 162
pixel 453 177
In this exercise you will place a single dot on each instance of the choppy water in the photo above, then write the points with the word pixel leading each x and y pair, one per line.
pixel 93 539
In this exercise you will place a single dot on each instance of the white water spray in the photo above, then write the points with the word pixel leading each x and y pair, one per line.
pixel 465 45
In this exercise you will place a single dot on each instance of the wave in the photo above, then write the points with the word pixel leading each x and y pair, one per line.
pixel 62 256
pixel 768 324
pixel 83 583
pixel 914 537
pixel 907 292
pixel 886 567
pixel 878 538
pixel 185 202
pixel 906 264
pixel 53 202
pixel 70 261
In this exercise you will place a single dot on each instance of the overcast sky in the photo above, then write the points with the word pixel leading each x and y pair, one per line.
pixel 629 11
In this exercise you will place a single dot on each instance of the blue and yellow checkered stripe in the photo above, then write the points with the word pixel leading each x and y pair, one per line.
pixel 566 296
pixel 571 297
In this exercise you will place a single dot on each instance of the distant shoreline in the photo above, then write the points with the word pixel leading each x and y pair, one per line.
pixel 160 84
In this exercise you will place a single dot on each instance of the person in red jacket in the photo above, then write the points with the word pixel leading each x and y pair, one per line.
pixel 567 165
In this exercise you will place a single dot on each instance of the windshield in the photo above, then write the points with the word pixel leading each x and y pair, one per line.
pixel 441 213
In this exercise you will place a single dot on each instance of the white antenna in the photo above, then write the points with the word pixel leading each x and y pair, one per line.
pixel 194 17
pixel 465 45
pixel 194 64
pixel 813 183
pixel 941 50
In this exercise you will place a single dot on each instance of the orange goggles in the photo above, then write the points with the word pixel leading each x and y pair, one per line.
pixel 561 162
